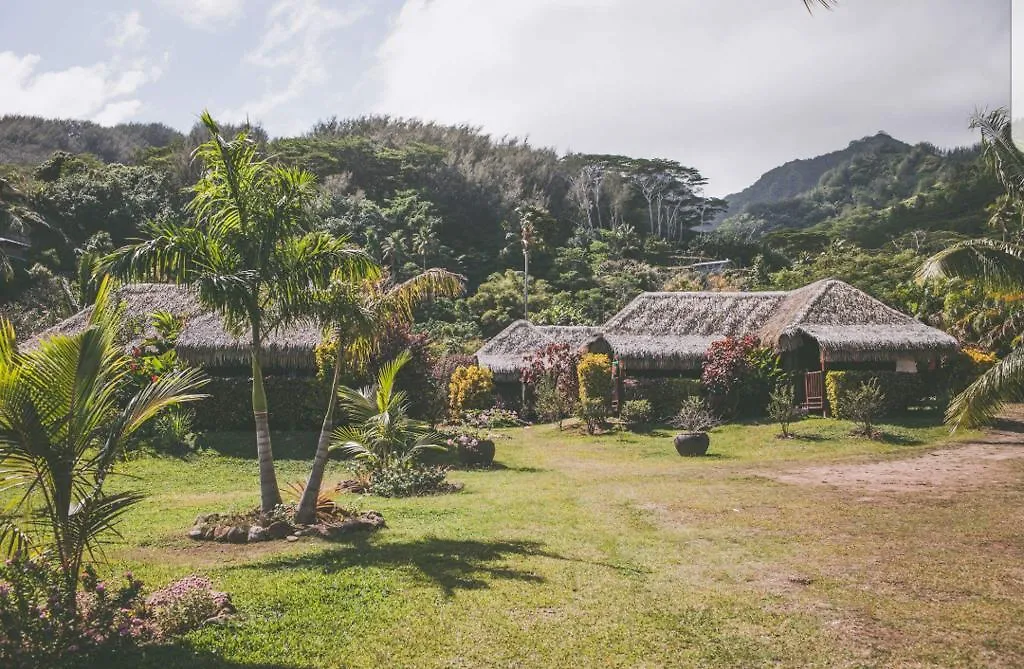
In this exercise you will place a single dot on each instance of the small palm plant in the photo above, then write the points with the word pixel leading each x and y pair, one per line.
pixel 64 420
pixel 380 433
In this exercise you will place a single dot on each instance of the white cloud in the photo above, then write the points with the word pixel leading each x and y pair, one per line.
pixel 206 14
pixel 129 33
pixel 733 88
pixel 100 92
pixel 295 52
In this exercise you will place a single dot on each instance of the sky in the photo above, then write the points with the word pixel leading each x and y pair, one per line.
pixel 733 88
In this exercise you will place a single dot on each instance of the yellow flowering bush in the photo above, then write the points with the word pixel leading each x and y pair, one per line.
pixel 471 387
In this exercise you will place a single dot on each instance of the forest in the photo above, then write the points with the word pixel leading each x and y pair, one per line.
pixel 599 229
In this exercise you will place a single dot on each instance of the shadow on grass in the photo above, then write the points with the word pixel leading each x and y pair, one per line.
pixel 447 563
pixel 178 655
pixel 808 437
pixel 898 439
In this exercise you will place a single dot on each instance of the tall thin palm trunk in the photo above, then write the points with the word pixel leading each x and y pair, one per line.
pixel 270 495
pixel 306 512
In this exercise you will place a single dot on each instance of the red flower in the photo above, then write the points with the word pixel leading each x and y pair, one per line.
pixel 154 378
pixel 136 352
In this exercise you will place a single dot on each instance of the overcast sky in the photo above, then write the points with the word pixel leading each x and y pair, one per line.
pixel 733 87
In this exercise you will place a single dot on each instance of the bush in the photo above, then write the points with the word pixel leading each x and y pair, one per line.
pixel 965 367
pixel 865 404
pixel 487 419
pixel 441 375
pixel 408 481
pixel 595 378
pixel 782 408
pixel 185 605
pixel 593 413
pixel 901 390
pixel 473 448
pixel 38 629
pixel 665 395
pixel 695 416
pixel 470 388
pixel 296 403
pixel 552 375
pixel 739 374
pixel 174 431
pixel 637 412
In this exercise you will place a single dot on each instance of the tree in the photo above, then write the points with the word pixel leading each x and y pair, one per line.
pixel 64 421
pixel 998 266
pixel 356 314
pixel 532 231
pixel 247 251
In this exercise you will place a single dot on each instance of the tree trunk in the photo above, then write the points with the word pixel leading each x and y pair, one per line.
pixel 270 495
pixel 526 286
pixel 306 513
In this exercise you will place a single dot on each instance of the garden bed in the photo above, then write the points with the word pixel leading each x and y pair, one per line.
pixel 254 527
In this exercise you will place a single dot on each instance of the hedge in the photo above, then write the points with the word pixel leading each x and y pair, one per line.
pixel 295 403
pixel 665 394
pixel 902 390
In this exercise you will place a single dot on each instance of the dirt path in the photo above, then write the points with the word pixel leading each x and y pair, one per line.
pixel 988 461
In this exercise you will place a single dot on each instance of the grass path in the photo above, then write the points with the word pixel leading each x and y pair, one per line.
pixel 611 551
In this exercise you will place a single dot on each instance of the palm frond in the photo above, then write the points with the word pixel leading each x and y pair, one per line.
pixel 827 4
pixel 997 265
pixel 982 400
pixel 1000 150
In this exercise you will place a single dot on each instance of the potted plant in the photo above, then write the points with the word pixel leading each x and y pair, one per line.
pixel 694 419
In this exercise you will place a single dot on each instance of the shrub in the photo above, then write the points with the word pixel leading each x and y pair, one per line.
pixel 174 431
pixel 38 630
pixel 296 403
pixel 739 374
pixel 901 390
pixel 593 413
pixel 965 367
pixel 470 388
pixel 441 376
pixel 595 378
pixel 865 404
pixel 695 416
pixel 472 447
pixel 665 394
pixel 782 408
pixel 398 481
pixel 551 373
pixel 492 418
pixel 185 605
pixel 637 412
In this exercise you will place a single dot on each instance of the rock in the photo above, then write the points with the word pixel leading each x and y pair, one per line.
pixel 198 532
pixel 291 537
pixel 373 519
pixel 238 534
pixel 220 532
pixel 279 529
pixel 206 518
pixel 208 532
pixel 692 443
pixel 257 533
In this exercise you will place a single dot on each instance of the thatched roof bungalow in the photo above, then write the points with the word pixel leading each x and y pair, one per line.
pixel 505 354
pixel 827 323
pixel 203 340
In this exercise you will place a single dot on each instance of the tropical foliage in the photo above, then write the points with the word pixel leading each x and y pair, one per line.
pixel 67 410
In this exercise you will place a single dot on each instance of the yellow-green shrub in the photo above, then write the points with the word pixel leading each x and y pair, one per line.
pixel 594 372
pixel 471 387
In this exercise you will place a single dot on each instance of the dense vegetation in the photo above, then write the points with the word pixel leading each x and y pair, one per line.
pixel 602 228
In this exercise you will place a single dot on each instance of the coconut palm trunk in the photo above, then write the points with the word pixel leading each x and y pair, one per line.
pixel 270 495
pixel 306 512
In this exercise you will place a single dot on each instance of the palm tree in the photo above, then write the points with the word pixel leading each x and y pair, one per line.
pixel 998 266
pixel 63 424
pixel 249 253
pixel 356 316
pixel 380 432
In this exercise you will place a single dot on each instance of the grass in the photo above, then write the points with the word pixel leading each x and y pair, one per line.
pixel 604 551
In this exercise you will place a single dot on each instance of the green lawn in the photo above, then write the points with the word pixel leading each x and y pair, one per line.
pixel 604 551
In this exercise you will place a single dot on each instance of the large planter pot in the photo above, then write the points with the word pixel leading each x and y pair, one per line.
pixel 481 455
pixel 692 443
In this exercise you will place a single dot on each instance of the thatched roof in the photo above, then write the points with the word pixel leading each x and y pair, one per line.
pixel 203 339
pixel 673 331
pixel 505 354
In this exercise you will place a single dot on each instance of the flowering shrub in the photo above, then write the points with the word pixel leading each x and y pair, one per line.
pixel 551 374
pixel 472 446
pixel 470 388
pixel 695 416
pixel 491 418
pixel 186 604
pixel 40 625
pixel 637 412
pixel 739 374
